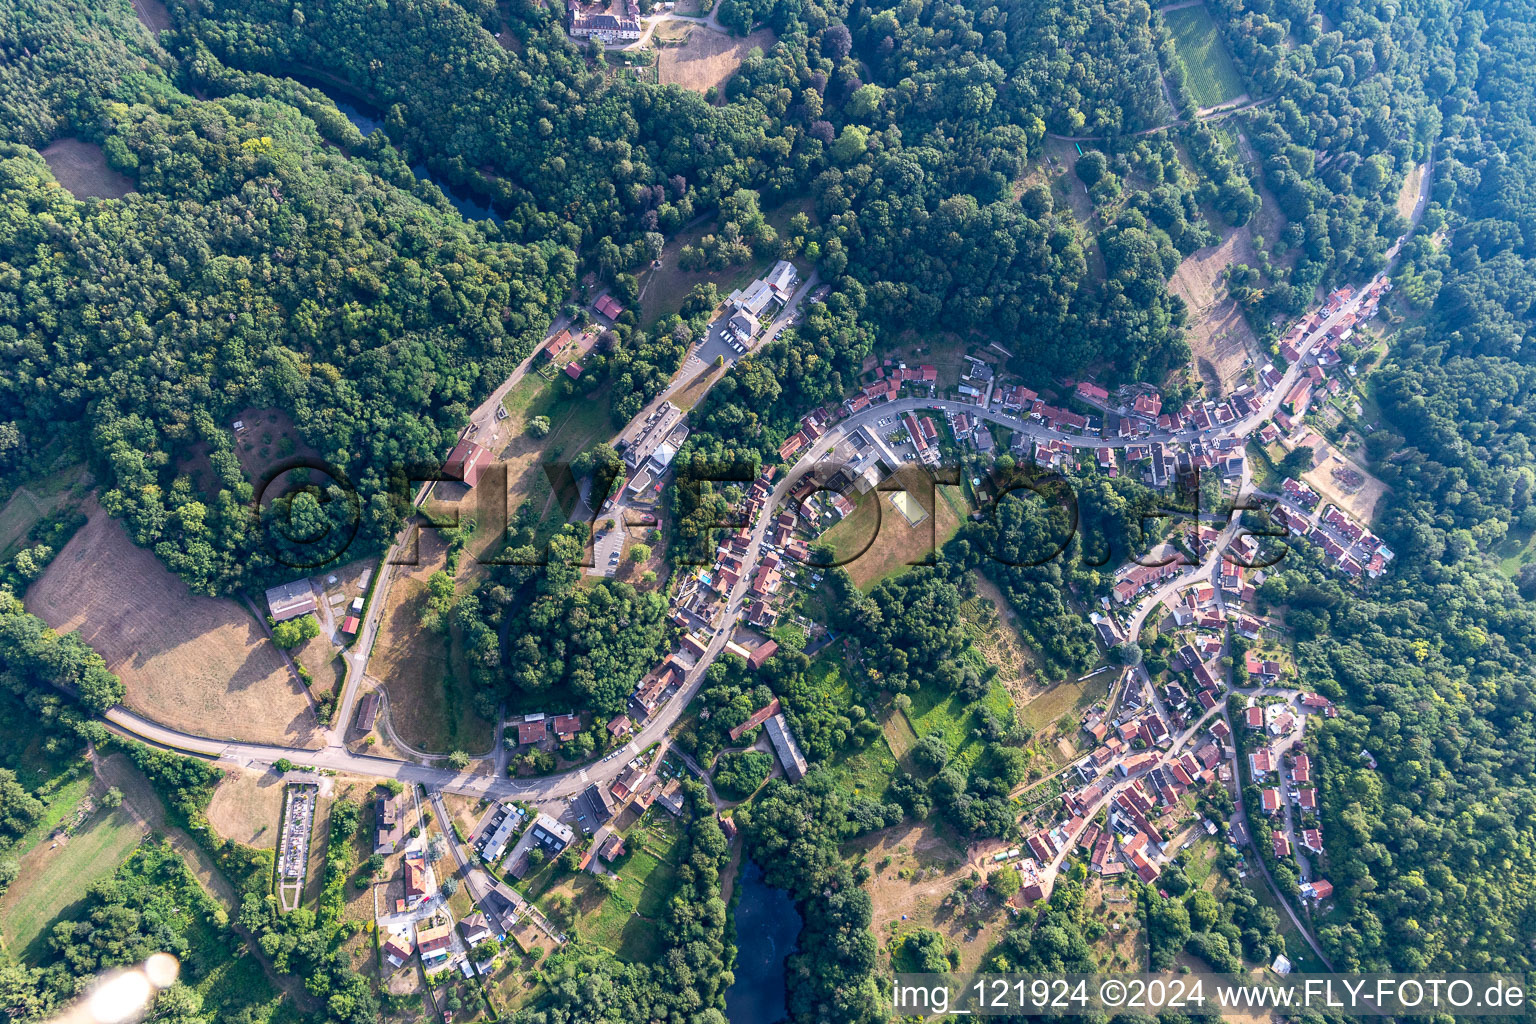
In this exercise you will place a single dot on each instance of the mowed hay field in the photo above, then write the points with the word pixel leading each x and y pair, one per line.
pixel 696 58
pixel 198 664
pixel 246 807
pixel 429 703
pixel 1212 77
pixel 19 515
pixel 876 540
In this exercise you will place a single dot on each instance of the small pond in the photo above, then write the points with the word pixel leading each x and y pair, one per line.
pixel 767 925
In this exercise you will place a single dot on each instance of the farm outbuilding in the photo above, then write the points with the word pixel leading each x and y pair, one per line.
pixel 290 600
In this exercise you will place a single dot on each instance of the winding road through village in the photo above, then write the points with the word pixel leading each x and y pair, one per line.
pixel 334 756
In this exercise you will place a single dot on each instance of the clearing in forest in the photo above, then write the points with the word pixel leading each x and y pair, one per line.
pixel 696 58
pixel 1220 339
pixel 82 169
pixel 202 665
pixel 664 289
pixel 268 438
pixel 1213 78
pixel 1408 197
pixel 152 14
pixel 29 505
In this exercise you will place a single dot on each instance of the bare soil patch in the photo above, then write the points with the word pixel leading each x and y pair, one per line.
pixel 198 664
pixel 324 664
pixel 1358 501
pixel 922 865
pixel 269 438
pixel 246 807
pixel 703 58
pixel 1000 640
pixel 152 15
pixel 82 169
pixel 1408 198
pixel 1220 338
pixel 465 811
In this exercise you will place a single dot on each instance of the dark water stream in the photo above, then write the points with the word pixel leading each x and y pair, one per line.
pixel 368 120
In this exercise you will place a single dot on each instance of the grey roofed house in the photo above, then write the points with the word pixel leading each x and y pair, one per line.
pixel 291 600
pixel 387 826
pixel 477 928
pixel 495 840
pixel 652 434
pixel 500 909
pixel 549 832
pixel 545 832
pixel 788 750
pixel 755 299
pixel 617 27
pixel 782 278
pixel 671 796
pixel 594 808
pixel 743 326
pixel 367 713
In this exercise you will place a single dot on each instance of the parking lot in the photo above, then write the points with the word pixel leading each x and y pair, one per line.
pixel 896 453
pixel 608 545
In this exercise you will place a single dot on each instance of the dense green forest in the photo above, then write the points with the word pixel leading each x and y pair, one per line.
pixel 1433 852
pixel 296 264
pixel 255 266
pixel 533 633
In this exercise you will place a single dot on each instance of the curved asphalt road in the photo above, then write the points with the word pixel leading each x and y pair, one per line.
pixel 336 757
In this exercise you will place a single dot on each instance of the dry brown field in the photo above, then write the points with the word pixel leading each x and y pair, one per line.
pixel 202 665
pixel 705 58
pixel 82 169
